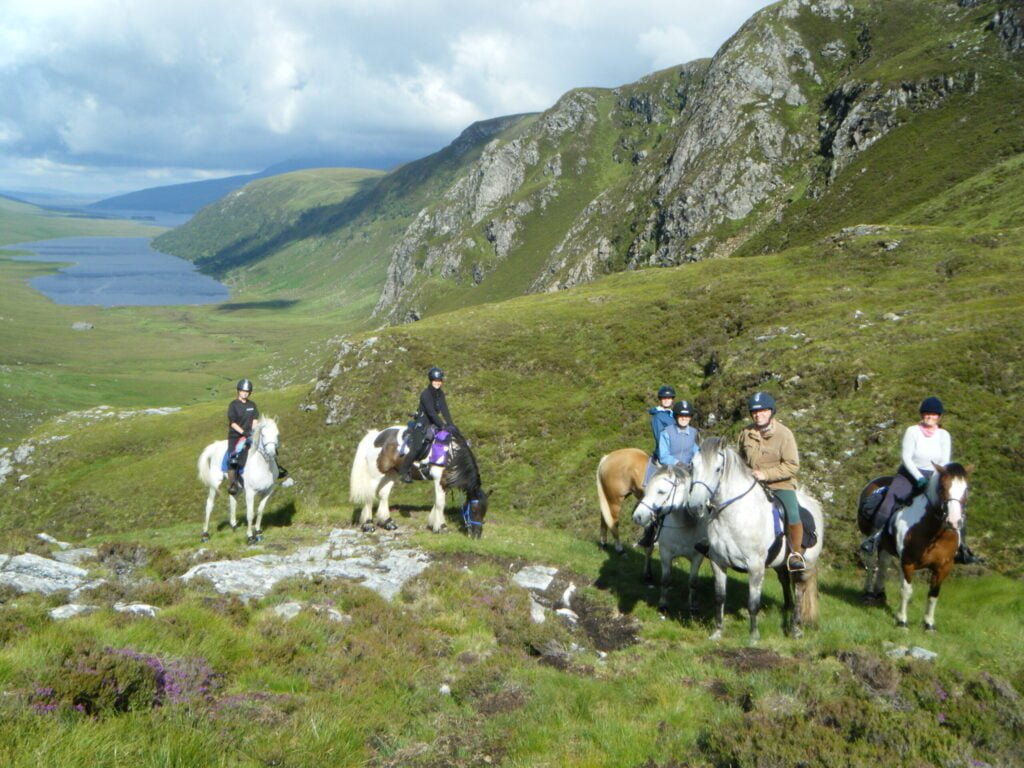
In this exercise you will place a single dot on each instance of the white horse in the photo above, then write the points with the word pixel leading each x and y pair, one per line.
pixel 259 477
pixel 665 501
pixel 377 464
pixel 742 536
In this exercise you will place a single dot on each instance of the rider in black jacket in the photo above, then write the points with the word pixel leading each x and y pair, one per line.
pixel 432 415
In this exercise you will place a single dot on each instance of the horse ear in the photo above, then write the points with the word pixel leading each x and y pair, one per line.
pixel 969 469
pixel 939 468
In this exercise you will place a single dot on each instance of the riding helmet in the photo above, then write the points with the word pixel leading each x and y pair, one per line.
pixel 932 405
pixel 666 391
pixel 435 374
pixel 244 386
pixel 761 401
pixel 682 408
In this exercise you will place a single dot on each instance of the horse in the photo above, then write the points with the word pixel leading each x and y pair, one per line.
pixel 742 536
pixel 923 536
pixel 377 465
pixel 665 502
pixel 619 474
pixel 259 477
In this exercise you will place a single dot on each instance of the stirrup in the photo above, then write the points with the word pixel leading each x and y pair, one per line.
pixel 870 544
pixel 795 563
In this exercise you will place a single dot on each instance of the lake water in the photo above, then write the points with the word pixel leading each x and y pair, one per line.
pixel 117 272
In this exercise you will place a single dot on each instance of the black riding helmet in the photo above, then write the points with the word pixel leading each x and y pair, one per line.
pixel 666 391
pixel 931 405
pixel 244 386
pixel 761 401
pixel 435 374
pixel 682 408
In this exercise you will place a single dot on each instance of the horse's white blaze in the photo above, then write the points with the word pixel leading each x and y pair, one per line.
pixel 955 505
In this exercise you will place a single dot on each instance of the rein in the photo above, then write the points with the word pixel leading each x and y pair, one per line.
pixel 717 508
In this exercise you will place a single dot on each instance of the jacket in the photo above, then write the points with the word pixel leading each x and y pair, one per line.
pixel 774 452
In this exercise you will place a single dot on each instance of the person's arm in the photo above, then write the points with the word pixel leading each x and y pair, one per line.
pixel 233 418
pixel 665 456
pixel 789 462
pixel 907 454
pixel 443 407
pixel 947 446
pixel 429 408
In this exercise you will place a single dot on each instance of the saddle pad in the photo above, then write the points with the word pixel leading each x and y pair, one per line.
pixel 810 532
pixel 651 466
pixel 224 465
pixel 439 451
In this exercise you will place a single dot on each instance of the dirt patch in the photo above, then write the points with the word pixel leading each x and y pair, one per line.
pixel 878 675
pixel 498 702
pixel 607 629
pixel 752 659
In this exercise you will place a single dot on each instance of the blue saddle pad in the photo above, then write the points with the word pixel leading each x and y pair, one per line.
pixel 224 463
pixel 779 515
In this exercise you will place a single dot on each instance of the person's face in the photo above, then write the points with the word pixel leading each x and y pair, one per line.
pixel 436 383
pixel 762 418
pixel 930 419
pixel 243 395
pixel 683 420
pixel 666 402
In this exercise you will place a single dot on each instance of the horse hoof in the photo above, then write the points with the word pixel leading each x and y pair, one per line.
pixel 251 541
pixel 663 609
pixel 368 528
pixel 929 627
pixel 797 633
pixel 234 526
pixel 205 537
pixel 389 525
pixel 901 624
pixel 716 635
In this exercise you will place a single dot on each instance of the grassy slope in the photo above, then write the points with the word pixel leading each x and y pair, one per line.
pixel 544 385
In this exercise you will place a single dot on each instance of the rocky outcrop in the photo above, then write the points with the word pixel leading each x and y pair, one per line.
pixel 1008 24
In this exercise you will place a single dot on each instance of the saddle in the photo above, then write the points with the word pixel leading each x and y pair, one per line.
pixel 435 449
pixel 779 521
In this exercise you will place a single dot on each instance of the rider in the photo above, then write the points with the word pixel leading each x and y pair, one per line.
pixel 661 418
pixel 432 415
pixel 923 443
pixel 678 443
pixel 769 449
pixel 243 418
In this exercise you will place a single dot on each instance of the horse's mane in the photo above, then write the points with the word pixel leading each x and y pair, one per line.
pixel 462 471
pixel 733 462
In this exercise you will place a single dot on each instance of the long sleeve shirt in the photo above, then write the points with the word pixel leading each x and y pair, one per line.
pixel 919 450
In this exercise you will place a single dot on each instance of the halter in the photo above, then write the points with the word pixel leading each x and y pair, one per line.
pixel 663 511
pixel 467 508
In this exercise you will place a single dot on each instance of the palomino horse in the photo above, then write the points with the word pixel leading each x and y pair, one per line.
pixel 923 535
pixel 377 465
pixel 665 502
pixel 742 535
pixel 619 474
pixel 260 475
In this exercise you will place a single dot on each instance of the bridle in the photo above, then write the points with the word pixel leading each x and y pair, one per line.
pixel 663 510
pixel 467 512
pixel 263 447
pixel 716 509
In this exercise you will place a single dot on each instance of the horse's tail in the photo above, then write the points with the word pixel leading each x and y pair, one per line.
pixel 602 498
pixel 362 482
pixel 208 459
pixel 809 597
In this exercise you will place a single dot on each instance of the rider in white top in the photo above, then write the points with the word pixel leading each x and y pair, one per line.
pixel 921 449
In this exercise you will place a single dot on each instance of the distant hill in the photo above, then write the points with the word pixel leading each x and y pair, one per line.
pixel 193 196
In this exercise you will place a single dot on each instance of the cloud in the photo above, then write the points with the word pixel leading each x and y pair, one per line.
pixel 103 85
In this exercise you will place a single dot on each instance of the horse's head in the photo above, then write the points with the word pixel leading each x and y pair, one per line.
pixel 709 468
pixel 947 492
pixel 666 492
pixel 474 512
pixel 266 438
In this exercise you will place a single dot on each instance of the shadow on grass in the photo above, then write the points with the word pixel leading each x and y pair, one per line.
pixel 272 304
pixel 622 575
pixel 280 517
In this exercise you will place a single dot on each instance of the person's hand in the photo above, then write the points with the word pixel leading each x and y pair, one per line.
pixel 248 441
pixel 921 483
pixel 453 428
pixel 758 475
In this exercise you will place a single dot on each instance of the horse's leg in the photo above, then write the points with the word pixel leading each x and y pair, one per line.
pixel 436 520
pixel 249 533
pixel 720 582
pixel 791 612
pixel 259 514
pixel 755 582
pixel 616 509
pixel 210 497
pixel 874 576
pixel 233 512
pixel 906 591
pixel 939 575
pixel 691 597
pixel 384 505
pixel 666 556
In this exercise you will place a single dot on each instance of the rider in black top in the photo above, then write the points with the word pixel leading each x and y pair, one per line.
pixel 432 415
pixel 243 418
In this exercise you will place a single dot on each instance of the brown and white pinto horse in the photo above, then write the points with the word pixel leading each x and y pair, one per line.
pixel 377 465
pixel 619 474
pixel 924 535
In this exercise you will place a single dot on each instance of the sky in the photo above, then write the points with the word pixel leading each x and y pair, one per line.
pixel 99 97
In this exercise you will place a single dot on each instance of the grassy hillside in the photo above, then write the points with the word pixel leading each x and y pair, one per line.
pixel 544 385
pixel 23 223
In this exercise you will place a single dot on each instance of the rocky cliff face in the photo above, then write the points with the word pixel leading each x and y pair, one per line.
pixel 687 163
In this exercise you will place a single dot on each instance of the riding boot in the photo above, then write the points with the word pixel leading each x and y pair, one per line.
pixel 234 486
pixel 647 540
pixel 407 467
pixel 795 561
pixel 870 544
pixel 964 555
